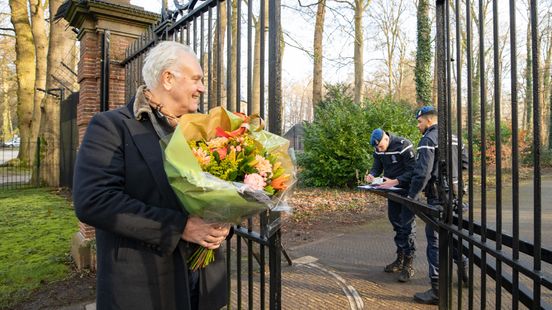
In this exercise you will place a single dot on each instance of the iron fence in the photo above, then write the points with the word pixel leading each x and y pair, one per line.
pixel 12 173
pixel 507 268
pixel 509 252
pixel 33 172
pixel 242 75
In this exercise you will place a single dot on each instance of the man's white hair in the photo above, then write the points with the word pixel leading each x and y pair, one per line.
pixel 163 56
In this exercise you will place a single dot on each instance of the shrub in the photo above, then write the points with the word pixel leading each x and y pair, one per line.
pixel 524 144
pixel 394 117
pixel 337 142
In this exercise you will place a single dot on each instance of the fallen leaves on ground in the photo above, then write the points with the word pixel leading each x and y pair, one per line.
pixel 319 210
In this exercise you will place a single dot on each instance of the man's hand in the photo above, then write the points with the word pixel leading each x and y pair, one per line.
pixel 388 183
pixel 369 178
pixel 207 235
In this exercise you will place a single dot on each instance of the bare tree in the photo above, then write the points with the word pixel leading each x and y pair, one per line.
pixel 317 78
pixel 217 76
pixel 61 41
pixel 38 28
pixel 26 75
pixel 7 91
pixel 546 40
pixel 528 106
pixel 234 56
pixel 386 14
pixel 260 36
pixel 359 7
pixel 298 106
pixel 423 54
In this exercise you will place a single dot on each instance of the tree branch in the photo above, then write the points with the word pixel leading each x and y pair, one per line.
pixel 7 29
pixel 307 5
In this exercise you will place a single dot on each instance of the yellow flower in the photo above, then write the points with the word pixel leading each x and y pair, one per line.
pixel 217 143
pixel 263 166
pixel 202 156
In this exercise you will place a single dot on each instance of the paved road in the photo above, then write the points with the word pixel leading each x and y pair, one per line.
pixel 7 154
pixel 526 211
pixel 11 175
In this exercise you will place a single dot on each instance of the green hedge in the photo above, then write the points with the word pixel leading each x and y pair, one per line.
pixel 337 142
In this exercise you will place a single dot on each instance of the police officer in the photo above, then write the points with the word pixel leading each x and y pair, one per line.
pixel 394 156
pixel 424 178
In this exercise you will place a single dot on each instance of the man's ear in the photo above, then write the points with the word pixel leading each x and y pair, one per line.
pixel 167 80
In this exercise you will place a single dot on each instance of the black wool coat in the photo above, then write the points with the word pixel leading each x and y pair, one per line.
pixel 121 189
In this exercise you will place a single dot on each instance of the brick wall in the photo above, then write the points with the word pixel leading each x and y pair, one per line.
pixel 89 77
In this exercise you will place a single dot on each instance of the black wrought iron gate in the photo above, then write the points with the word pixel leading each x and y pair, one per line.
pixel 239 81
pixel 507 270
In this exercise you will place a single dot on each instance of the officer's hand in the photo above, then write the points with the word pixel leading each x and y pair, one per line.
pixel 388 183
pixel 369 178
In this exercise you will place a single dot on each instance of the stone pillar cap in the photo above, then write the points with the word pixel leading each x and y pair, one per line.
pixel 75 11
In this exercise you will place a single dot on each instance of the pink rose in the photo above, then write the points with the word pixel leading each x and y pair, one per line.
pixel 255 181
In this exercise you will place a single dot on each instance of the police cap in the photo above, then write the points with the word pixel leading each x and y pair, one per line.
pixel 376 137
pixel 425 110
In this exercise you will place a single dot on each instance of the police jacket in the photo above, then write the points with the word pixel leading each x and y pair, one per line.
pixel 426 171
pixel 396 162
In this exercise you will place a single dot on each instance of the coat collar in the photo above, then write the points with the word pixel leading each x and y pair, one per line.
pixel 147 142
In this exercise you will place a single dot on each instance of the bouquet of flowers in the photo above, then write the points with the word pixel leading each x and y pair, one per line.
pixel 224 167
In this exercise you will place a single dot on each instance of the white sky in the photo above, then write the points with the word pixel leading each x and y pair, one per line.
pixel 297 65
pixel 338 47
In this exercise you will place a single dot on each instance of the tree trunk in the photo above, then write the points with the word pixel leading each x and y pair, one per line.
pixel 550 122
pixel 38 28
pixel 256 79
pixel 359 51
pixel 26 75
pixel 234 56
pixel 218 95
pixel 403 45
pixel 61 42
pixel 545 93
pixel 529 82
pixel 317 78
pixel 7 129
pixel 422 71
pixel 281 113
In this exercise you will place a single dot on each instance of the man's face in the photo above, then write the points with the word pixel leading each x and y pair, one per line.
pixel 384 144
pixel 186 85
pixel 423 124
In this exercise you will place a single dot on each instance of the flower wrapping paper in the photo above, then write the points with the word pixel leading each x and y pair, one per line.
pixel 211 198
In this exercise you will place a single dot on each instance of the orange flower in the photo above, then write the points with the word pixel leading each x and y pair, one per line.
pixel 279 182
pixel 229 134
pixel 222 152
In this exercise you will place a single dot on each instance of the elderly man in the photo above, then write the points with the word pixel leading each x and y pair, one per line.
pixel 143 234
pixel 394 157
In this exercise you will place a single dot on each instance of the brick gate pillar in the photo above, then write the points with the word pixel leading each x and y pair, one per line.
pixel 122 23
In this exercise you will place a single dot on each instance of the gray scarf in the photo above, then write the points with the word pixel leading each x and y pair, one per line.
pixel 158 120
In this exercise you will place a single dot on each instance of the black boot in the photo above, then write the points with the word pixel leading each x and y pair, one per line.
pixel 429 297
pixel 407 271
pixel 463 273
pixel 395 266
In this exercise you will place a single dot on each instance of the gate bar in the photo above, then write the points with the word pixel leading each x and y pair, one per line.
pixel 515 158
pixel 498 154
pixel 536 153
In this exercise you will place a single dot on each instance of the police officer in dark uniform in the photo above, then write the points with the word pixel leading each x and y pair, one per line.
pixel 394 156
pixel 424 178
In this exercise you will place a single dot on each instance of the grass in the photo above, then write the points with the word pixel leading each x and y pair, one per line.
pixel 36 227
